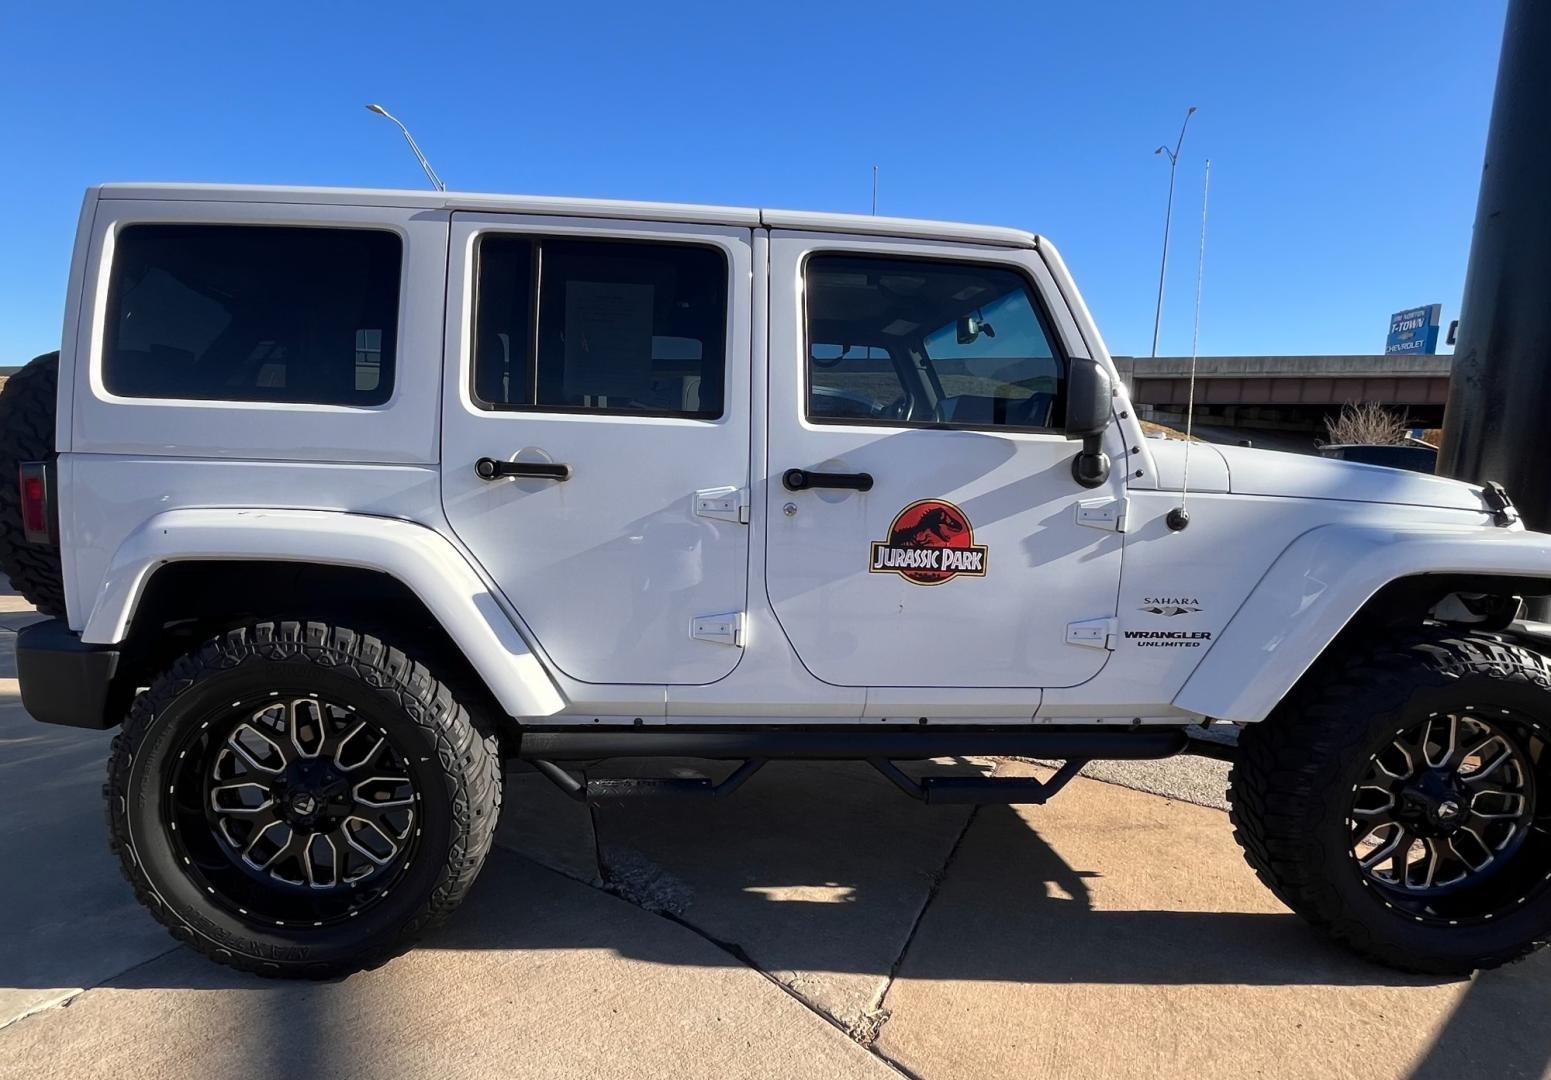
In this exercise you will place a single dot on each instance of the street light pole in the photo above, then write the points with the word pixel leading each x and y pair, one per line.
pixel 1168 217
pixel 1500 388
pixel 436 181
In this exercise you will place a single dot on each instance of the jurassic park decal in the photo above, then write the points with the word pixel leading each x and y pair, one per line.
pixel 930 542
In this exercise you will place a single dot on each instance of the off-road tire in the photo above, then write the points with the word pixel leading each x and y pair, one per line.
pixel 27 405
pixel 1294 778
pixel 460 777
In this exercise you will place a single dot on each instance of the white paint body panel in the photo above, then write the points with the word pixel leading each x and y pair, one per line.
pixel 109 496
pixel 1206 467
pixel 414 555
pixel 1272 472
pixel 852 627
pixel 610 567
pixel 560 206
pixel 574 601
pixel 1211 567
pixel 1316 585
pixel 769 685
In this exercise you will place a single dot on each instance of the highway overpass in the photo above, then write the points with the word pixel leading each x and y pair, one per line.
pixel 1290 393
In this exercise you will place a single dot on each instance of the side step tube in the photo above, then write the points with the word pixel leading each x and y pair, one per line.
pixel 977 790
pixel 1088 744
pixel 542 749
pixel 594 791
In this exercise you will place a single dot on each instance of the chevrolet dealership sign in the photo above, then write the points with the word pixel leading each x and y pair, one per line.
pixel 1414 331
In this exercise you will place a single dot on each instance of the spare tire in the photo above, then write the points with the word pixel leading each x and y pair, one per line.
pixel 27 405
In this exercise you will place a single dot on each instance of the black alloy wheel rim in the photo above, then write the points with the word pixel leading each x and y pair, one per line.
pixel 1445 824
pixel 292 810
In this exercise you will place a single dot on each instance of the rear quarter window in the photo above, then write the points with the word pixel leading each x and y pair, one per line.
pixel 253 313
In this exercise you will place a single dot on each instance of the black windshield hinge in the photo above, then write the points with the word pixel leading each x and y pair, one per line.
pixel 1498 502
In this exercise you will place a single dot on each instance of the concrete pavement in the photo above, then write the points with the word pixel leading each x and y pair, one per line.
pixel 67 919
pixel 1131 940
pixel 539 976
pixel 815 873
pixel 817 924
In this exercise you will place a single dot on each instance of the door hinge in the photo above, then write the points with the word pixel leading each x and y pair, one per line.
pixel 1093 633
pixel 719 629
pixel 1106 513
pixel 723 504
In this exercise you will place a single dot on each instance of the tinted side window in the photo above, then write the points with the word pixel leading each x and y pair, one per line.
pixel 253 313
pixel 906 341
pixel 612 326
pixel 850 381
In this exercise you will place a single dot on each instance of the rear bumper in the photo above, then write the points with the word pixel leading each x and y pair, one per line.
pixel 63 680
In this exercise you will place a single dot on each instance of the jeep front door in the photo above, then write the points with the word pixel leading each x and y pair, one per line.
pixel 925 528
pixel 597 380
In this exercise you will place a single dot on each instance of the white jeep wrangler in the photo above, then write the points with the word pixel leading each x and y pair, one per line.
pixel 340 498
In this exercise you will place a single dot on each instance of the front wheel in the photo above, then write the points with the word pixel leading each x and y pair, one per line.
pixel 297 799
pixel 1402 802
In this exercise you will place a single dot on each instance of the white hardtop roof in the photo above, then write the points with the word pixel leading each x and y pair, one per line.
pixel 747 217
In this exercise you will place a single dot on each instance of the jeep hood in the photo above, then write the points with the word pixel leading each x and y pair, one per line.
pixel 1307 476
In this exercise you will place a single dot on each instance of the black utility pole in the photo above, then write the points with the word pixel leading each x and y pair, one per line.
pixel 1499 411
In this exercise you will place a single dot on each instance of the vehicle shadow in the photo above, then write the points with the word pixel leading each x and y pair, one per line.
pixel 1497 1029
pixel 822 872
pixel 1019 910
pixel 792 883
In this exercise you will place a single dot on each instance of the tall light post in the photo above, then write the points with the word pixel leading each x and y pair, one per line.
pixel 436 181
pixel 1500 388
pixel 1168 216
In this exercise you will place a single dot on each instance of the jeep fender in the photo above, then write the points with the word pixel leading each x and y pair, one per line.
pixel 418 557
pixel 1315 587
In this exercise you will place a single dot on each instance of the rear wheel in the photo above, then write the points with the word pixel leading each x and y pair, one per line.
pixel 27 406
pixel 296 799
pixel 1401 803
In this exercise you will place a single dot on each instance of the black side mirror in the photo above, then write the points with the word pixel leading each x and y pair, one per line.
pixel 1089 403
pixel 1089 398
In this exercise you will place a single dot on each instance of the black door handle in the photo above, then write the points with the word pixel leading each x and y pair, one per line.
pixel 802 480
pixel 491 469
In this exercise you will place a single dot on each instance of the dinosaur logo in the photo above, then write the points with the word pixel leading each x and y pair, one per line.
pixel 930 542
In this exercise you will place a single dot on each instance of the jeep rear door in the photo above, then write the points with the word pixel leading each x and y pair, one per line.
pixel 932 533
pixel 600 370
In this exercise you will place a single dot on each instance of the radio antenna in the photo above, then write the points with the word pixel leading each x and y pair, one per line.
pixel 1179 517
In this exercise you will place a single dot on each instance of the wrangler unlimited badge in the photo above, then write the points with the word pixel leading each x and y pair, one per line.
pixel 930 542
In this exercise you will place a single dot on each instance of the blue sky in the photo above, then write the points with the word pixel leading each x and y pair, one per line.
pixel 1345 139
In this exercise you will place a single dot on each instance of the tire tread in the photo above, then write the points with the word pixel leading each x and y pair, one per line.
pixel 468 755
pixel 1285 778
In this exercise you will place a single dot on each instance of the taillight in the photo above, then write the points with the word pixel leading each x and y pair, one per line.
pixel 33 480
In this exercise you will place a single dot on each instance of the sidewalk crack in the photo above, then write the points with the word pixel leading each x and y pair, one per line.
pixel 878 1007
pixel 865 1032
pixel 65 1000
pixel 877 1014
pixel 738 953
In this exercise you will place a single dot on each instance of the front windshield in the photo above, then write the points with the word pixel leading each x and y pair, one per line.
pixel 1015 363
